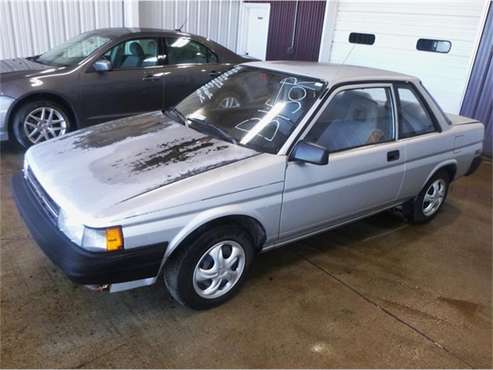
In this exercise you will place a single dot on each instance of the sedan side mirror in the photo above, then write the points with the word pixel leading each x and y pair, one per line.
pixel 102 65
pixel 309 153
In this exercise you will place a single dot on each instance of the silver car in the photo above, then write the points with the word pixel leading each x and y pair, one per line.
pixel 265 154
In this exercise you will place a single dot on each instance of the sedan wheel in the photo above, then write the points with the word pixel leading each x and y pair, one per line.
pixel 44 123
pixel 219 269
pixel 210 268
pixel 434 197
pixel 229 102
pixel 426 205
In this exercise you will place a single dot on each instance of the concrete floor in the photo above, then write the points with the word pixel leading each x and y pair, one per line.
pixel 377 293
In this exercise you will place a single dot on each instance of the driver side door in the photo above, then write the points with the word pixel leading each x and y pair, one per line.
pixel 366 163
pixel 133 85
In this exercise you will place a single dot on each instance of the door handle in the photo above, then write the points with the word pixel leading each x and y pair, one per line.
pixel 152 77
pixel 394 155
pixel 214 73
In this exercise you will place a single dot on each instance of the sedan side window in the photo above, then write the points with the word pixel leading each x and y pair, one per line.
pixel 184 50
pixel 134 54
pixel 414 119
pixel 355 118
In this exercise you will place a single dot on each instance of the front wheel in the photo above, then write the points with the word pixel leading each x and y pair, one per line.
pixel 211 269
pixel 426 205
pixel 39 121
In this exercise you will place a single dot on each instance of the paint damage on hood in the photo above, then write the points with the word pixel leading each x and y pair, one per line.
pixel 93 169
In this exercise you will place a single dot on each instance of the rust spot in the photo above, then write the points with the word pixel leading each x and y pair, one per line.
pixel 172 152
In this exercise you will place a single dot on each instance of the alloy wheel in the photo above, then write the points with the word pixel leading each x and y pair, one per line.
pixel 434 197
pixel 44 123
pixel 229 102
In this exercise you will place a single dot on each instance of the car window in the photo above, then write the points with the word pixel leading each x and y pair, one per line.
pixel 414 118
pixel 255 107
pixel 184 50
pixel 72 51
pixel 355 118
pixel 130 54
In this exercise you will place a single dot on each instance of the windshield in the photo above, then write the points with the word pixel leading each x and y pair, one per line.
pixel 72 51
pixel 253 107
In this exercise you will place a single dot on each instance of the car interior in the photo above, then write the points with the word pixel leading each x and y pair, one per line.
pixel 134 54
pixel 353 118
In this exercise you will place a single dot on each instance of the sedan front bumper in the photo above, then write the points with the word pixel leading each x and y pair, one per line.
pixel 80 265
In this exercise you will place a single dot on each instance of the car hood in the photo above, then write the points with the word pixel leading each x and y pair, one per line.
pixel 22 67
pixel 91 170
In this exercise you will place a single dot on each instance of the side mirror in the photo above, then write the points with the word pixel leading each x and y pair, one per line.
pixel 310 153
pixel 102 65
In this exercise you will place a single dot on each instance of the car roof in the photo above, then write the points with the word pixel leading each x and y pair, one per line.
pixel 115 32
pixel 332 73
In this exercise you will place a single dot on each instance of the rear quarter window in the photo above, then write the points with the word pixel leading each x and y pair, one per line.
pixel 414 117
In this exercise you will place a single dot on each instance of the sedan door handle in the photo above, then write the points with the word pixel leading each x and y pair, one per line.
pixel 214 73
pixel 394 155
pixel 152 76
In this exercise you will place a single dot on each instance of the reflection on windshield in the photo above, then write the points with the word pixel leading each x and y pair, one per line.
pixel 258 108
pixel 72 51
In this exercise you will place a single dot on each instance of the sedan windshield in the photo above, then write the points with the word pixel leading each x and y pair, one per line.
pixel 72 51
pixel 254 107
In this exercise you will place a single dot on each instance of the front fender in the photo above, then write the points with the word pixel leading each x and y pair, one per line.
pixel 206 217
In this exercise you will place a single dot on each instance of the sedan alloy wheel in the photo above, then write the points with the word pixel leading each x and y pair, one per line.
pixel 44 123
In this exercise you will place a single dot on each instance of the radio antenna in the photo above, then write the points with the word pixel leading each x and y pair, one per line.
pixel 179 28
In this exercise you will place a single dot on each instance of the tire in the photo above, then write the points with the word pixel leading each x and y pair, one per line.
pixel 186 273
pixel 430 200
pixel 32 123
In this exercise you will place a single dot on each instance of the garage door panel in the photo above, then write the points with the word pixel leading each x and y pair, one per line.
pixel 417 29
pixel 461 49
pixel 397 27
pixel 451 8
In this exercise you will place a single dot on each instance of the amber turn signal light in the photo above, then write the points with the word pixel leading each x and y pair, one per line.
pixel 114 238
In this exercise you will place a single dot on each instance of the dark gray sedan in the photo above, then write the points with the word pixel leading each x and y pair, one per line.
pixel 104 75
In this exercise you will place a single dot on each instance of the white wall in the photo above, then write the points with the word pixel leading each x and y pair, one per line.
pixel 214 19
pixel 31 27
pixel 397 26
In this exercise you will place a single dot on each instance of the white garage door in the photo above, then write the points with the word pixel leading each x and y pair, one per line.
pixel 397 26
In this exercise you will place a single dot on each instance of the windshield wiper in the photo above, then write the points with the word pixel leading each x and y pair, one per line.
pixel 211 128
pixel 177 114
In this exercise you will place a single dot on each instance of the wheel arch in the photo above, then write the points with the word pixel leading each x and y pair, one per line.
pixel 450 166
pixel 249 223
pixel 56 98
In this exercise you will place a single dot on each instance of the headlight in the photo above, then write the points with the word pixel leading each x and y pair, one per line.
pixel 71 227
pixel 96 240
pixel 5 103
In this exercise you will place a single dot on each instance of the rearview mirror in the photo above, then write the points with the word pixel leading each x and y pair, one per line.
pixel 102 65
pixel 310 153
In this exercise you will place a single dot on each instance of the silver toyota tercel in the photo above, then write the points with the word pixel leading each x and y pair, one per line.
pixel 265 154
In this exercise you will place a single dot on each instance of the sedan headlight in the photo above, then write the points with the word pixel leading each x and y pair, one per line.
pixel 96 240
pixel 70 227
pixel 5 103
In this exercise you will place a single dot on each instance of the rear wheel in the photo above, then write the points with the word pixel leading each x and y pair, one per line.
pixel 211 269
pixel 427 204
pixel 39 121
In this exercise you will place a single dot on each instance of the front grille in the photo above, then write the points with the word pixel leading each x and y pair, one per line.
pixel 47 204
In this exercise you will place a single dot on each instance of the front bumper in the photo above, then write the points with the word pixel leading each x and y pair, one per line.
pixel 5 105
pixel 79 265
